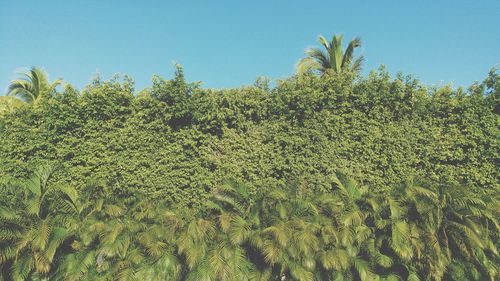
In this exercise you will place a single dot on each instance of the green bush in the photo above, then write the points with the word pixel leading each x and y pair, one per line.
pixel 177 140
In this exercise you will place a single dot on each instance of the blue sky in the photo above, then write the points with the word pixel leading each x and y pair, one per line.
pixel 230 43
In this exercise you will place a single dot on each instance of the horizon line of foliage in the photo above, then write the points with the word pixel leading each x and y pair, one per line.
pixel 418 230
pixel 179 140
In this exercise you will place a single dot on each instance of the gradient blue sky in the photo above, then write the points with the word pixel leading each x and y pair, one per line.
pixel 230 43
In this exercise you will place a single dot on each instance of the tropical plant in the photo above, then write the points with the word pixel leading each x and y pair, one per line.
pixel 147 202
pixel 121 240
pixel 353 243
pixel 437 230
pixel 33 86
pixel 414 231
pixel 37 226
pixel 333 58
pixel 215 247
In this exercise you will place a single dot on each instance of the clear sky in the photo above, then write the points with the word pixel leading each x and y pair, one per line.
pixel 230 43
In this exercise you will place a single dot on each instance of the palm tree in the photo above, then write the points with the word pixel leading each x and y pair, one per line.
pixel 463 225
pixel 332 59
pixel 121 241
pixel 290 237
pixel 32 86
pixel 349 242
pixel 436 230
pixel 215 247
pixel 34 230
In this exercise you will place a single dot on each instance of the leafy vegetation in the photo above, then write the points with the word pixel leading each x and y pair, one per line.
pixel 9 104
pixel 320 177
pixel 418 231
pixel 178 140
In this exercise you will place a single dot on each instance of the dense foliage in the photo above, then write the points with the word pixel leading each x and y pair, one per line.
pixel 331 177
pixel 179 140
pixel 415 231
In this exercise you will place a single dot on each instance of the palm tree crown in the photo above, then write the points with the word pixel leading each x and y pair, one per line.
pixel 333 58
pixel 32 86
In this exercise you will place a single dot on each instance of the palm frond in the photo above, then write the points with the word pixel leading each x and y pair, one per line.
pixel 307 65
pixel 349 52
pixel 336 53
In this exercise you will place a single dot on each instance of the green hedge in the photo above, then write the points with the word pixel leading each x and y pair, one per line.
pixel 178 140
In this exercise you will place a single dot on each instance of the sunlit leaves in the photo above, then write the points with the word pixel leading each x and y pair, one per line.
pixel 333 58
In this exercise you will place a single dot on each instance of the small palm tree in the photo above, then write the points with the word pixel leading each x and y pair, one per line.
pixel 215 247
pixel 122 241
pixel 32 86
pixel 333 58
pixel 463 224
pixel 436 229
pixel 34 230
pixel 350 251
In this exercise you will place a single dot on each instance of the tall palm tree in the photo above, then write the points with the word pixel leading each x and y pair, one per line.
pixel 333 58
pixel 32 86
